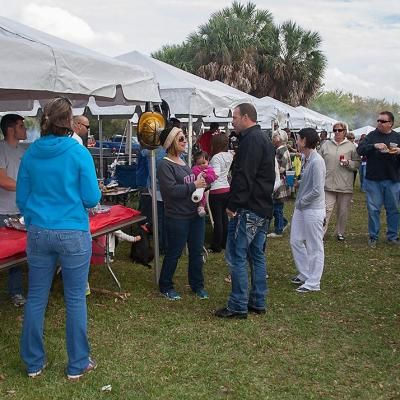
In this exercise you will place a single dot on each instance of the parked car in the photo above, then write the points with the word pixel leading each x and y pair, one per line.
pixel 118 142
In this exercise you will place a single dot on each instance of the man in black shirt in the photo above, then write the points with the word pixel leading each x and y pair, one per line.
pixel 249 210
pixel 382 180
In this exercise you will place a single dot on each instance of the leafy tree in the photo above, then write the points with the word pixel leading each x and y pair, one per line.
pixel 357 111
pixel 226 47
pixel 242 47
pixel 176 55
pixel 111 127
pixel 291 66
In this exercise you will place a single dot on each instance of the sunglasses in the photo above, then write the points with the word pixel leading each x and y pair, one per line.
pixel 86 126
pixel 182 139
pixel 382 121
pixel 338 130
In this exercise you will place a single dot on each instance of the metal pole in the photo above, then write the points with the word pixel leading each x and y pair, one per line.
pixel 101 146
pixel 129 142
pixel 155 216
pixel 190 139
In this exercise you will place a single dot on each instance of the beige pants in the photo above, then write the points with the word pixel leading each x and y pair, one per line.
pixel 343 202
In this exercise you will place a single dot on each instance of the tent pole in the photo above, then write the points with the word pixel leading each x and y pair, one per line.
pixel 190 139
pixel 101 146
pixel 155 216
pixel 129 142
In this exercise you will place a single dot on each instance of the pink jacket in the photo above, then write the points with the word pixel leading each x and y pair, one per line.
pixel 208 173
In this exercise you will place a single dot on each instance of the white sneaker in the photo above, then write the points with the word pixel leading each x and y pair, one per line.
pixel 274 235
pixel 18 300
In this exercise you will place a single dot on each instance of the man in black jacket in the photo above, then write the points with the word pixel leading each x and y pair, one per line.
pixel 249 210
pixel 382 180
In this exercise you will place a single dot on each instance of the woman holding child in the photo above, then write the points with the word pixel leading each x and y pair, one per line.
pixel 183 223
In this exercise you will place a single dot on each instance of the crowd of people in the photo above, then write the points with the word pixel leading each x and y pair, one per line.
pixel 245 198
pixel 243 181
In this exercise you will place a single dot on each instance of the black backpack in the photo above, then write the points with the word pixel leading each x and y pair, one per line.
pixel 142 252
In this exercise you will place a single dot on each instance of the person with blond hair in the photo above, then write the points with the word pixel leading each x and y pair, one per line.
pixel 341 161
pixel 56 186
pixel 183 224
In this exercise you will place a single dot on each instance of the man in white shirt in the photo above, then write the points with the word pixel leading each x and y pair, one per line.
pixel 11 152
pixel 81 128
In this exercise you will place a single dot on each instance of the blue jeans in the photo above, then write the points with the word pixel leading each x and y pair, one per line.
pixel 15 273
pixel 279 220
pixel 180 232
pixel 246 238
pixel 382 193
pixel 73 249
pixel 362 171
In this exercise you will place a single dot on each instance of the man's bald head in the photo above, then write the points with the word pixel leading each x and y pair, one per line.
pixel 81 125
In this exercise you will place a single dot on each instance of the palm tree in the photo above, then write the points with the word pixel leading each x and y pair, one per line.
pixel 225 47
pixel 176 55
pixel 242 47
pixel 291 66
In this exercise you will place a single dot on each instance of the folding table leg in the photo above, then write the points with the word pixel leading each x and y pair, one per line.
pixel 108 264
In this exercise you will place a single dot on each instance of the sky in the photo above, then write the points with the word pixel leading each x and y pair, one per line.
pixel 361 38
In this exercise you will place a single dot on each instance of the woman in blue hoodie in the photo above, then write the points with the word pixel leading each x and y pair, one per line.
pixel 56 185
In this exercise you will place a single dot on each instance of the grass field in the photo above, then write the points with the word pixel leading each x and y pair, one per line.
pixel 340 343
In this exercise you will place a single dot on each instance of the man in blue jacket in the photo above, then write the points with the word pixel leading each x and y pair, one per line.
pixel 249 211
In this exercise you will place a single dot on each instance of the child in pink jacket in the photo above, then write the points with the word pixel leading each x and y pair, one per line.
pixel 201 167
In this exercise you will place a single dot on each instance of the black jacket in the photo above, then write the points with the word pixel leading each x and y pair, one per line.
pixel 380 166
pixel 253 174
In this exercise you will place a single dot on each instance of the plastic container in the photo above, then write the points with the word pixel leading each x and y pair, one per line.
pixel 290 178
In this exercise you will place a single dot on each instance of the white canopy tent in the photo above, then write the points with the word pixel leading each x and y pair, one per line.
pixel 363 130
pixel 268 109
pixel 57 67
pixel 397 129
pixel 316 120
pixel 36 67
pixel 289 115
pixel 185 93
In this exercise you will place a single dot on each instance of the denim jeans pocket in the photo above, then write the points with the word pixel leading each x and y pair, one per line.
pixel 74 242
pixel 254 223
pixel 33 242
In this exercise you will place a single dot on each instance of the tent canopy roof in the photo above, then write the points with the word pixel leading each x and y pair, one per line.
pixel 38 66
pixel 184 92
pixel 364 129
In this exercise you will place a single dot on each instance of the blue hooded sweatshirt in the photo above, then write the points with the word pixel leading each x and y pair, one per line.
pixel 56 184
